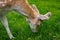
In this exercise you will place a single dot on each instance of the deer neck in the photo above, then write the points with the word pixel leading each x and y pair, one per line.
pixel 25 8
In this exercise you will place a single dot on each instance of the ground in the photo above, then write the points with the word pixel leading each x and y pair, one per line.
pixel 48 30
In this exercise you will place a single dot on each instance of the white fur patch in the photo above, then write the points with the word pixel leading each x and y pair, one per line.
pixel 2 3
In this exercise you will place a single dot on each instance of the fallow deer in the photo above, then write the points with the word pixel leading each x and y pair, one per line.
pixel 23 7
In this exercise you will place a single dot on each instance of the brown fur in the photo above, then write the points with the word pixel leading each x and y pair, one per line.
pixel 22 3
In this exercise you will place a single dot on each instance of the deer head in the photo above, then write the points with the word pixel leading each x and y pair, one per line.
pixel 35 22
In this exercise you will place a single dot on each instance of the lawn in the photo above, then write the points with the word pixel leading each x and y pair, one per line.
pixel 48 30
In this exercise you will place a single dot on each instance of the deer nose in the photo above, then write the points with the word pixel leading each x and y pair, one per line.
pixel 34 31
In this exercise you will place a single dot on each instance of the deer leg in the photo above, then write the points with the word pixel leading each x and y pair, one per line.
pixel 5 23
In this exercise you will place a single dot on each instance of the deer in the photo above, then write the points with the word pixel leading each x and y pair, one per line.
pixel 33 17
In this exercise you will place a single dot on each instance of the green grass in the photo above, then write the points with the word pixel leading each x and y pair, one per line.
pixel 48 30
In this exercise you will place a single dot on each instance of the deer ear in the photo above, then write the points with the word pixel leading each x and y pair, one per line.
pixel 45 17
pixel 35 8
pixel 48 14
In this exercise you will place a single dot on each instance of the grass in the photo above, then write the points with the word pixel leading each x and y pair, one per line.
pixel 48 30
